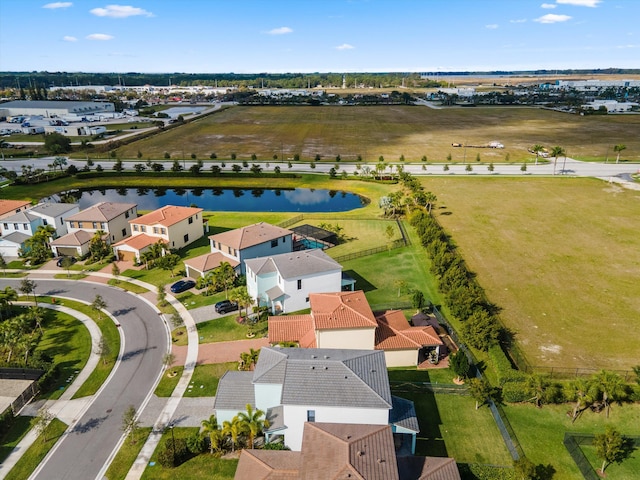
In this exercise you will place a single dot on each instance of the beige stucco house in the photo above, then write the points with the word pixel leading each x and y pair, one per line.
pixel 109 217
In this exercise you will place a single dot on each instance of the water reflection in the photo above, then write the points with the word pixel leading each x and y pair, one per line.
pixel 232 199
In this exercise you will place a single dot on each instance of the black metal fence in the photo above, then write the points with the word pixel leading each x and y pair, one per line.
pixel 428 387
pixel 291 221
pixel 370 251
pixel 573 441
pixel 20 373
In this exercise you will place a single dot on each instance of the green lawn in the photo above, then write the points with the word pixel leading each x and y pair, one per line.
pixel 127 455
pixel 192 299
pixel 204 382
pixel 130 287
pixel 221 330
pixel 451 426
pixel 37 451
pixel 68 342
pixel 168 384
pixel 10 438
pixel 434 375
pixel 627 470
pixel 201 467
pixel 540 431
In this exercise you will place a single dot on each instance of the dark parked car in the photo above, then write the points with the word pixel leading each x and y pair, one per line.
pixel 61 259
pixel 226 306
pixel 182 286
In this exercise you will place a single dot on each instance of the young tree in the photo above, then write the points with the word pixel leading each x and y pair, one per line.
pixel 525 469
pixel 162 296
pixel 417 300
pixel 115 271
pixel 523 168
pixel 41 421
pixel 168 262
pixel 225 275
pixel 211 430
pixel 176 320
pixel 98 305
pixel 481 391
pixel 103 350
pixel 233 429
pixel 610 447
pixel 3 265
pixel 28 286
pixel 459 363
pixel 130 423
pixel 168 359
pixel 253 422
pixel 618 149
pixel 66 264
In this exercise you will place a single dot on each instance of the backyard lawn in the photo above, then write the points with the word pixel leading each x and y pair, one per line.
pixel 221 330
pixel 204 382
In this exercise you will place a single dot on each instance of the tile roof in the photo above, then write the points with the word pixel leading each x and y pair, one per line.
pixel 289 328
pixel 138 242
pixel 101 212
pixel 330 377
pixel 166 216
pixel 341 310
pixel 395 333
pixel 268 465
pixel 403 414
pixel 294 264
pixel 209 261
pixel 16 237
pixel 235 390
pixel 8 206
pixel 53 209
pixel 74 239
pixel 428 468
pixel 21 217
pixel 251 235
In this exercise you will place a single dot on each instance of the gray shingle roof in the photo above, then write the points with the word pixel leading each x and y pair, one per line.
pixel 403 414
pixel 20 217
pixel 330 377
pixel 53 209
pixel 235 390
pixel 295 264
pixel 16 237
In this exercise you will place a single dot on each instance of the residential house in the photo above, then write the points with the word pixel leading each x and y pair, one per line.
pixel 345 320
pixel 23 222
pixel 108 217
pixel 236 246
pixel 344 450
pixel 12 244
pixel 295 385
pixel 174 226
pixel 284 282
pixel 54 214
pixel 10 207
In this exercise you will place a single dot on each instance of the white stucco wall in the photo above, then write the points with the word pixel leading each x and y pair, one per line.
pixel 267 395
pixel 177 231
pixel 401 358
pixel 325 282
pixel 295 417
pixel 350 339
pixel 7 227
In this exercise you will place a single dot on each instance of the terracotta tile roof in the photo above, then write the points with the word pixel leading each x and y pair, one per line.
pixel 289 328
pixel 395 333
pixel 74 239
pixel 166 216
pixel 251 235
pixel 341 310
pixel 138 242
pixel 428 468
pixel 10 206
pixel 101 212
pixel 209 261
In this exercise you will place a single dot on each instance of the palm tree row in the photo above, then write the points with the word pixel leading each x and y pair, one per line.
pixel 244 426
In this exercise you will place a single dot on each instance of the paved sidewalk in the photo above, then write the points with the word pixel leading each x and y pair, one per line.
pixel 67 410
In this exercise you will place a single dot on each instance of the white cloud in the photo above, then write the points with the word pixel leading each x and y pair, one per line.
pixel 280 31
pixel 518 20
pixel 120 11
pixel 552 18
pixel 580 3
pixel 628 46
pixel 55 5
pixel 69 38
pixel 99 36
pixel 492 26
pixel 345 46
pixel 548 5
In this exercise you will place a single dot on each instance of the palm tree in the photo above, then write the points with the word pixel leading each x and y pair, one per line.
pixel 555 153
pixel 211 429
pixel 619 148
pixel 225 275
pixel 537 149
pixel 233 429
pixel 254 423
pixel 536 385
pixel 3 265
pixel 35 314
pixel 611 386
pixel 7 296
pixel 581 390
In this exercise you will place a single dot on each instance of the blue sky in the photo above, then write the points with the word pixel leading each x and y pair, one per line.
pixel 247 36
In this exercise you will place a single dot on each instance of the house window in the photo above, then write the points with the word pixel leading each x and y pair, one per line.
pixel 306 300
pixel 155 230
pixel 163 231
pixel 186 238
pixel 61 222
pixel 300 284
pixel 79 224
pixel 126 214
pixel 44 220
pixel 284 239
pixel 143 228
pixel 124 232
pixel 25 226
pixel 229 248
pixel 94 225
pixel 311 415
pixel 274 243
pixel 103 225
pixel 15 226
pixel 190 220
pixel 135 228
pixel 5 225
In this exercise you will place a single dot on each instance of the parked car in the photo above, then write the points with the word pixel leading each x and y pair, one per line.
pixel 182 286
pixel 60 261
pixel 226 306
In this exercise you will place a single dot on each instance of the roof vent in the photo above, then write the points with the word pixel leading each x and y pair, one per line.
pixel 348 437
pixel 373 370
pixel 312 367
pixel 360 453
pixel 381 460
pixel 326 357
pixel 314 356
pixel 345 377
pixel 326 368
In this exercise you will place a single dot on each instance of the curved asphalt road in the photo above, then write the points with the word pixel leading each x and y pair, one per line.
pixel 84 449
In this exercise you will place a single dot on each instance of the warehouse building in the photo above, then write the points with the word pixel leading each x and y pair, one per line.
pixel 51 108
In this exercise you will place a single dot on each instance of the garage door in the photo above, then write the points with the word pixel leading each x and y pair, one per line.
pixel 66 251
pixel 126 256
pixel 9 250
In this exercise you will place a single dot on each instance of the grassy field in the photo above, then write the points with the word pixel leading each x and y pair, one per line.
pixel 127 454
pixel 627 470
pixel 562 259
pixel 540 431
pixel 221 330
pixel 37 451
pixel 204 382
pixel 391 132
pixel 168 384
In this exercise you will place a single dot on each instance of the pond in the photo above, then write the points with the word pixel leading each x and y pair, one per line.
pixel 225 199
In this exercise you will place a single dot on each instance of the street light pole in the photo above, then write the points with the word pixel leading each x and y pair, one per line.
pixel 173 443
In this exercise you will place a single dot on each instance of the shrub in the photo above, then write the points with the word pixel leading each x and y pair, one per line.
pixel 515 392
pixel 502 366
pixel 196 444
pixel 166 457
